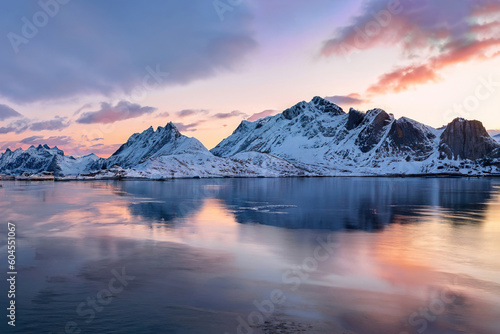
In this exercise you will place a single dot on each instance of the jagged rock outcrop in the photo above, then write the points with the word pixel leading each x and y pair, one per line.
pixel 317 103
pixel 376 121
pixel 407 136
pixel 335 143
pixel 463 139
pixel 355 119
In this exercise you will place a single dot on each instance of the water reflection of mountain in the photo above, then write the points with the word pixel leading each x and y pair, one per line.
pixel 316 203
pixel 465 200
pixel 166 201
pixel 353 203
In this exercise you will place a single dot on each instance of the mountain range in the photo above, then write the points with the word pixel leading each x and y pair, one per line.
pixel 316 138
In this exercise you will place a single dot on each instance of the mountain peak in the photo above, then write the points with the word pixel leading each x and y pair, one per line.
pixel 148 144
pixel 173 129
pixel 326 106
pixel 316 104
pixel 464 139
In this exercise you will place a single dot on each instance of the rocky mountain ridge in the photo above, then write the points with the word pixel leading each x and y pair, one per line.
pixel 316 138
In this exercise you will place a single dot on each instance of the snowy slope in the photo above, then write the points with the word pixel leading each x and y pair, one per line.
pixel 315 138
pixel 319 137
pixel 327 139
pixel 206 165
pixel 166 153
pixel 70 166
pixel 152 144
pixel 497 137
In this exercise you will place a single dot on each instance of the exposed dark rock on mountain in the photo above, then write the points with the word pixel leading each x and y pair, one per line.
pixel 355 119
pixel 406 136
pixel 376 122
pixel 311 138
pixel 335 143
pixel 463 139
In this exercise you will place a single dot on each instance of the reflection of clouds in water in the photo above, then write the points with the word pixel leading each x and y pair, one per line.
pixel 174 285
pixel 212 261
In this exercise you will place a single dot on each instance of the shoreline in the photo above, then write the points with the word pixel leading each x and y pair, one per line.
pixel 402 176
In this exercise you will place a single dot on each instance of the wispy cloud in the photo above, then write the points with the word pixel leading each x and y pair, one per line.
pixel 109 114
pixel 79 110
pixel 164 114
pixel 30 140
pixel 58 123
pixel 262 114
pixel 188 127
pixel 18 126
pixel 351 99
pixel 25 124
pixel 191 112
pixel 234 113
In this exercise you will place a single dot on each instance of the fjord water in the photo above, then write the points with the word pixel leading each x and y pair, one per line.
pixel 317 255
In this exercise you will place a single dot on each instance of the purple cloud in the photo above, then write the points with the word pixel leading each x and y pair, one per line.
pixel 191 112
pixel 85 106
pixel 351 99
pixel 18 126
pixel 58 123
pixel 30 140
pixel 234 113
pixel 188 127
pixel 164 114
pixel 7 112
pixel 110 114
pixel 126 58
pixel 262 114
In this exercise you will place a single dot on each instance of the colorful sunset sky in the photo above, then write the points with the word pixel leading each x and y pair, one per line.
pixel 85 75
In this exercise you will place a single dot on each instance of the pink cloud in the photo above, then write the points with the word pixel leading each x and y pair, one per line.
pixel 434 34
pixel 109 114
pixel 262 114
pixel 351 99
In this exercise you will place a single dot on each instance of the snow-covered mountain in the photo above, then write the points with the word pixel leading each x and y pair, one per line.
pixel 315 138
pixel 321 138
pixel 43 158
pixel 167 153
pixel 497 137
pixel 151 144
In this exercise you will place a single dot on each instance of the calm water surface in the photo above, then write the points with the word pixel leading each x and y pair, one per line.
pixel 312 255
